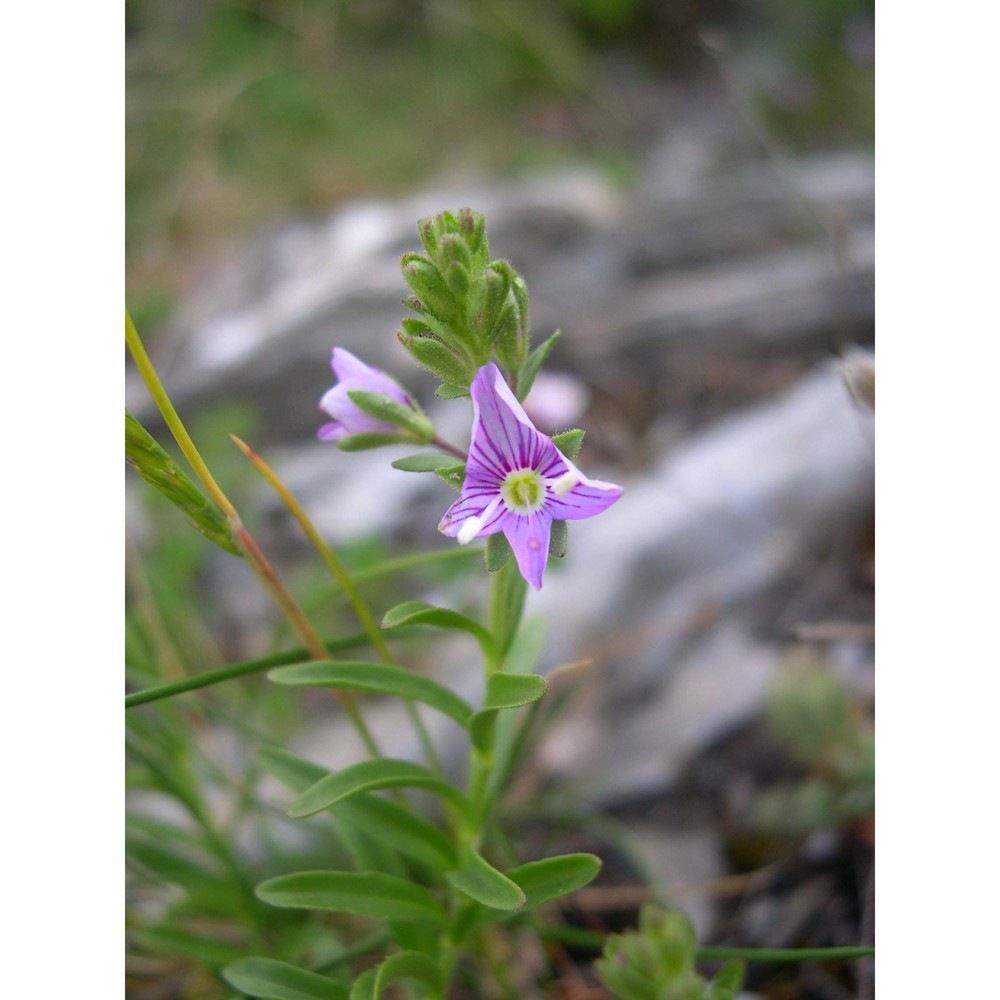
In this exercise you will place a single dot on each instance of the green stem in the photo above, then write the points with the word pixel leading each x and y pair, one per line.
pixel 581 937
pixel 343 578
pixel 256 559
pixel 210 677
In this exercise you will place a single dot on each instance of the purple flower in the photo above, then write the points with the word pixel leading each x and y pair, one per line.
pixel 348 417
pixel 517 481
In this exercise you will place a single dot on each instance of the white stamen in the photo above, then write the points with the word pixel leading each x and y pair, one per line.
pixel 565 483
pixel 470 528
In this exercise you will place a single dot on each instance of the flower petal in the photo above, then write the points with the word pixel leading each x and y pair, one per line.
pixel 528 535
pixel 332 432
pixel 339 405
pixel 587 498
pixel 503 438
pixel 355 374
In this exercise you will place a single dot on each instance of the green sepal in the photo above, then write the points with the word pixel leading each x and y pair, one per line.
pixel 497 552
pixel 413 965
pixel 369 776
pixel 437 357
pixel 503 691
pixel 370 894
pixel 451 391
pixel 392 411
pixel 453 475
pixel 426 462
pixel 558 539
pixel 458 281
pixel 496 285
pixel 433 294
pixel 480 881
pixel 569 442
pixel 364 442
pixel 160 471
pixel 533 364
pixel 273 980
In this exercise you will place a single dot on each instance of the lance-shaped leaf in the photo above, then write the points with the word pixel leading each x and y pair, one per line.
pixel 274 980
pixel 503 691
pixel 419 613
pixel 554 877
pixel 370 894
pixel 365 442
pixel 376 818
pixel 369 776
pixel 480 881
pixel 449 391
pixel 381 406
pixel 198 945
pixel 424 463
pixel 161 471
pixel 404 965
pixel 375 678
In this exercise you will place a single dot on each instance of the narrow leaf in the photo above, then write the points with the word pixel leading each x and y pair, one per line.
pixel 274 980
pixel 424 463
pixel 162 472
pixel 368 776
pixel 404 965
pixel 482 882
pixel 399 828
pixel 375 678
pixel 554 877
pixel 363 442
pixel 392 411
pixel 503 691
pixel 370 894
pixel 453 475
pixel 448 391
pixel 419 613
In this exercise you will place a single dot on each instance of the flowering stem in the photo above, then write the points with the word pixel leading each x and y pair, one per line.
pixel 343 578
pixel 256 559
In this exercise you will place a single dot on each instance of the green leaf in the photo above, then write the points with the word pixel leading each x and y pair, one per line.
pixel 424 463
pixel 392 411
pixel 296 773
pixel 375 678
pixel 363 442
pixel 210 951
pixel 480 881
pixel 162 472
pixel 273 980
pixel 554 877
pixel 533 364
pixel 370 894
pixel 503 691
pixel 399 829
pixel 366 851
pixel 404 965
pixel 368 776
pixel 569 442
pixel 419 613
pixel 498 552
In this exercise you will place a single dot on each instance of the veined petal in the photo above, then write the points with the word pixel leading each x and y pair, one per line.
pixel 587 498
pixel 503 437
pixel 473 505
pixel 339 405
pixel 528 535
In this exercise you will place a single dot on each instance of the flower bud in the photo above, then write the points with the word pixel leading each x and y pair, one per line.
pixel 430 288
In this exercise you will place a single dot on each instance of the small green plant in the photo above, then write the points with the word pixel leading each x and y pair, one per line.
pixel 656 962
pixel 812 716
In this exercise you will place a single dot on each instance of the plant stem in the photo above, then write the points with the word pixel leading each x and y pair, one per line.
pixel 343 578
pixel 450 448
pixel 258 562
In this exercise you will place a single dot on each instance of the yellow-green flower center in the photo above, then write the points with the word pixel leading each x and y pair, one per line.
pixel 523 490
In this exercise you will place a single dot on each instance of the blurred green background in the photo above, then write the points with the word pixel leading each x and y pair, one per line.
pixel 240 112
